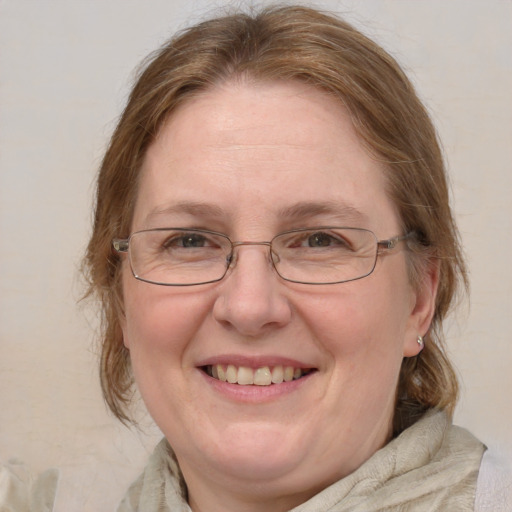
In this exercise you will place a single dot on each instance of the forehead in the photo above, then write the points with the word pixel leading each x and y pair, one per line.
pixel 267 145
pixel 259 115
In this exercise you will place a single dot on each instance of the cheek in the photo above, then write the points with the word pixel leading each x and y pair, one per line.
pixel 159 322
pixel 362 327
pixel 357 319
pixel 159 330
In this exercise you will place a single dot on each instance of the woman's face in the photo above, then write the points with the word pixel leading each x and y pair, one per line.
pixel 252 161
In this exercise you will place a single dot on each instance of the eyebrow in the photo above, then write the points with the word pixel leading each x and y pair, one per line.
pixel 298 211
pixel 306 209
pixel 188 207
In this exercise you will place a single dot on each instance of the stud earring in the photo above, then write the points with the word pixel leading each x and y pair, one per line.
pixel 420 341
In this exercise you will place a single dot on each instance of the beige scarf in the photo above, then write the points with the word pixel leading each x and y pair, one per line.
pixel 431 467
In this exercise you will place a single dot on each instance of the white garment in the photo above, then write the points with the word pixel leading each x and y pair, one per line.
pixel 494 485
pixel 21 492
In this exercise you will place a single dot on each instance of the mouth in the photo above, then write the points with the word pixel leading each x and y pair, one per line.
pixel 262 376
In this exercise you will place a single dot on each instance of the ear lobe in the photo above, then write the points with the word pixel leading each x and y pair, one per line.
pixel 423 309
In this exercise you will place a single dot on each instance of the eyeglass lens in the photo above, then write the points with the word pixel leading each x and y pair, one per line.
pixel 310 256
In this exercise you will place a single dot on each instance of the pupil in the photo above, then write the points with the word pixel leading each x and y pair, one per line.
pixel 319 240
pixel 193 241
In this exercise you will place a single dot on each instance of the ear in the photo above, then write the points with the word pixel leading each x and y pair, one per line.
pixel 422 309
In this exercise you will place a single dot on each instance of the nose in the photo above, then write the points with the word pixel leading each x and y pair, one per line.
pixel 252 298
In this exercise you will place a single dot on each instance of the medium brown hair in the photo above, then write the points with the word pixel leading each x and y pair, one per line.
pixel 288 43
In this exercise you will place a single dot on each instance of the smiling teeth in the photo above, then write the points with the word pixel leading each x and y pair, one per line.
pixel 264 376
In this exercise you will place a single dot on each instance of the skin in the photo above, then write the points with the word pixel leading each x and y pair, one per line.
pixel 251 152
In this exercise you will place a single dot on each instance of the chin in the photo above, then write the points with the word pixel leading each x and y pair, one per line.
pixel 252 452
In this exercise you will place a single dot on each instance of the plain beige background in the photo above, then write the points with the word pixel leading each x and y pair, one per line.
pixel 65 68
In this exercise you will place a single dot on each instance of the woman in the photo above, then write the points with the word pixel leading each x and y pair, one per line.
pixel 275 254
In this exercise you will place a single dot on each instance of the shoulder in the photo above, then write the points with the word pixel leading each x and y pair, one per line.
pixel 494 486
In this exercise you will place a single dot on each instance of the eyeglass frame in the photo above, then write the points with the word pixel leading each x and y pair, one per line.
pixel 122 246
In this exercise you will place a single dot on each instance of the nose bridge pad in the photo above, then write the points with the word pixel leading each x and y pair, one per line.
pixel 274 257
pixel 232 258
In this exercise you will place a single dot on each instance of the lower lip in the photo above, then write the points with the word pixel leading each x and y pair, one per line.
pixel 253 393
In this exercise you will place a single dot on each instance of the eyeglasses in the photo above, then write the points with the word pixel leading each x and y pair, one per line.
pixel 186 257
